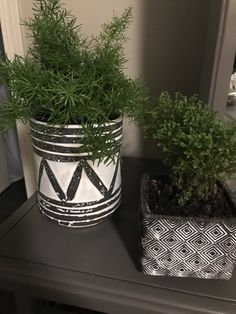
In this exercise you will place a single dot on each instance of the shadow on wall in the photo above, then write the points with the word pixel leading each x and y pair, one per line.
pixel 1 43
pixel 173 46
pixel 174 41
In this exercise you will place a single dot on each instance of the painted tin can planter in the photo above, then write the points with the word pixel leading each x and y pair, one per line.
pixel 74 191
pixel 186 247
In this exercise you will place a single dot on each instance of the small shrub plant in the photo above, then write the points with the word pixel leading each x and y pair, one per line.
pixel 68 78
pixel 198 148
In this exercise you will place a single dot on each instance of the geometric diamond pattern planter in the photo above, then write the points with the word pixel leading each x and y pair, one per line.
pixel 73 191
pixel 186 247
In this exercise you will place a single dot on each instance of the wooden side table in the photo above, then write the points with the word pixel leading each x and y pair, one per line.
pixel 97 268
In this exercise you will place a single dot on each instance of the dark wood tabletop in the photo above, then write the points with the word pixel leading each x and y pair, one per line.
pixel 98 267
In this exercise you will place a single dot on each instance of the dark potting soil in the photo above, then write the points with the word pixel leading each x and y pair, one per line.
pixel 162 200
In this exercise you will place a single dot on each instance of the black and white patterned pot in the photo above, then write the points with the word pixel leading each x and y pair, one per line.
pixel 73 190
pixel 186 247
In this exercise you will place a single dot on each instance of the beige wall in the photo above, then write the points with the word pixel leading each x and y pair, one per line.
pixel 167 37
pixel 166 46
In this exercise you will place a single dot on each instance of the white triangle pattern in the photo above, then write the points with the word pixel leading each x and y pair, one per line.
pixel 86 191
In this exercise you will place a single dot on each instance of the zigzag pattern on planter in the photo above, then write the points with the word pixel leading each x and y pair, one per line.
pixel 72 190
pixel 188 248
pixel 75 180
pixel 82 213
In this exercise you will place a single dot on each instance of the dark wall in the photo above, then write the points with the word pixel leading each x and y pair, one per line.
pixel 174 47
pixel 1 42
pixel 174 41
pixel 2 91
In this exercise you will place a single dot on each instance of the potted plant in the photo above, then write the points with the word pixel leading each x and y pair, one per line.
pixel 74 92
pixel 188 216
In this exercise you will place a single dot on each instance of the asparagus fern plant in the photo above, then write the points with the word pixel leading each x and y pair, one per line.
pixel 68 78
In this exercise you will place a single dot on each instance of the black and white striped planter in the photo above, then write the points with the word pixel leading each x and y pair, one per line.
pixel 186 246
pixel 74 191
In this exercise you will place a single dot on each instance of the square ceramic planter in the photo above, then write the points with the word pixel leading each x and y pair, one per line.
pixel 184 246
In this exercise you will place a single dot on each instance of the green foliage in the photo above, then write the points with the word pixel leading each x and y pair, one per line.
pixel 198 148
pixel 67 78
pixel 54 34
